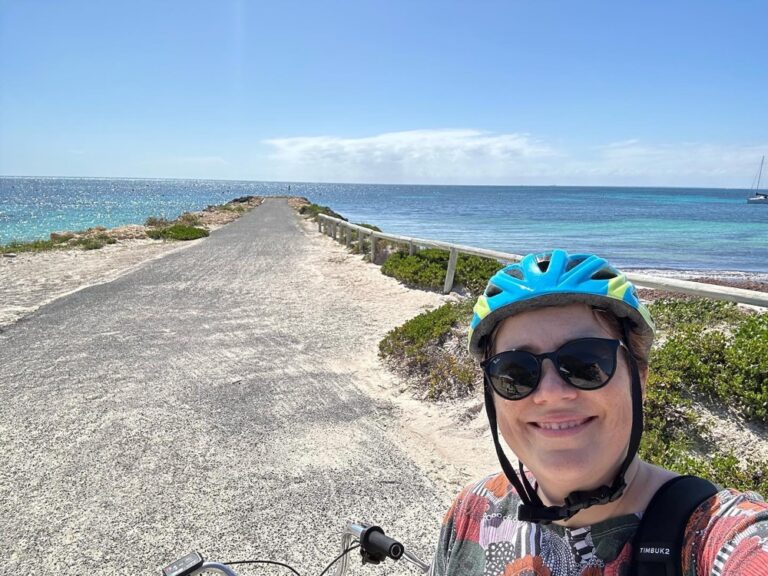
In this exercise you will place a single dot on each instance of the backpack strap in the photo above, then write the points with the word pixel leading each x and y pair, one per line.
pixel 657 545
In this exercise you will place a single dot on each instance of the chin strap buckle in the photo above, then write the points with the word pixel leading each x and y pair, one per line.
pixel 575 502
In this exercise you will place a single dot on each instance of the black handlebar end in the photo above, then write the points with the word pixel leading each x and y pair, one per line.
pixel 375 546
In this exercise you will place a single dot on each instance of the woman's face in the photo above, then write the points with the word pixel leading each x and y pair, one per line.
pixel 570 439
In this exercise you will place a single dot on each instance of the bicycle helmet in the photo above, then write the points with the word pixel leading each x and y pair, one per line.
pixel 556 279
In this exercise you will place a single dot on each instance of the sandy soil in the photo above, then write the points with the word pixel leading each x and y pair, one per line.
pixel 449 446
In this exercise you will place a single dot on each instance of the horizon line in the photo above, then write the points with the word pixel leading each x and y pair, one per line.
pixel 288 182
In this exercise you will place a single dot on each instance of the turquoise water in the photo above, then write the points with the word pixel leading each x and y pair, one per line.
pixel 706 229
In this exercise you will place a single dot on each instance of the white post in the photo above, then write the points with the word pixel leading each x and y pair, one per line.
pixel 451 272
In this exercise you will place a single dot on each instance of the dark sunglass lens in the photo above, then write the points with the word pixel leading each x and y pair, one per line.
pixel 588 363
pixel 513 374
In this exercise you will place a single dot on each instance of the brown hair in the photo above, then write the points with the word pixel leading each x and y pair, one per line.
pixel 639 344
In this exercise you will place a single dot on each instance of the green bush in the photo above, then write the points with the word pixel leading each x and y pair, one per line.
pixel 671 313
pixel 414 349
pixel 721 467
pixel 178 232
pixel 426 328
pixel 228 208
pixel 31 246
pixel 727 365
pixel 312 210
pixel 427 268
pixel 744 373
pixel 473 272
pixel 90 243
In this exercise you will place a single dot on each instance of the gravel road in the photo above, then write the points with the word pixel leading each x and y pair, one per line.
pixel 217 399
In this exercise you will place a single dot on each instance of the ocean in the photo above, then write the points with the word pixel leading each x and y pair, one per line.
pixel 666 228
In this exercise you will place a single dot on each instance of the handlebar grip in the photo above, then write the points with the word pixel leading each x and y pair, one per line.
pixel 380 544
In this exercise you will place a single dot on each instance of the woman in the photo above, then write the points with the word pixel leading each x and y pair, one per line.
pixel 564 343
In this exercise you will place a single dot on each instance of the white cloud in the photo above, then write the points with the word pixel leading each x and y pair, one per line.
pixel 413 156
pixel 466 156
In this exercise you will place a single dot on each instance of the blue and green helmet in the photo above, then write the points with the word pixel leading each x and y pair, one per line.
pixel 555 279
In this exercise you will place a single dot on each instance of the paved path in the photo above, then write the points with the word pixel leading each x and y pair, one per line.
pixel 204 401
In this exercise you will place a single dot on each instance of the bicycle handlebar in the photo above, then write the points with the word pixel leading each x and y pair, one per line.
pixel 375 547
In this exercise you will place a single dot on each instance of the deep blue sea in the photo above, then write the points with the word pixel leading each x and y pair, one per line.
pixel 675 228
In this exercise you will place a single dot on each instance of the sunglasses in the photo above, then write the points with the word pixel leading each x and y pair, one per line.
pixel 585 363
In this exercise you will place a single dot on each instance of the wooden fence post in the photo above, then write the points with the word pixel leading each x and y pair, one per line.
pixel 451 272
pixel 411 248
pixel 373 248
pixel 347 235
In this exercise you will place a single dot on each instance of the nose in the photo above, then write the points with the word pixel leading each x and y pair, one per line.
pixel 552 387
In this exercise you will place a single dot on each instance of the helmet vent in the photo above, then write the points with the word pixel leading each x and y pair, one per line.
pixel 492 290
pixel 573 262
pixel 515 273
pixel 543 264
pixel 605 274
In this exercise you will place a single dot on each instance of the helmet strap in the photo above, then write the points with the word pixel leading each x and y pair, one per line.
pixel 531 508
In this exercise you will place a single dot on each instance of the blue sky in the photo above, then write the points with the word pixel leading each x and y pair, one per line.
pixel 403 91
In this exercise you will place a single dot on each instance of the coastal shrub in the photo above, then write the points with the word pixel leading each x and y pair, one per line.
pixel 30 246
pixel 473 272
pixel 61 237
pixel 312 210
pixel 227 208
pixel 90 243
pixel 690 360
pixel 721 467
pixel 369 226
pixel 427 268
pixel 415 350
pixel 745 369
pixel 156 222
pixel 424 269
pixel 670 313
pixel 189 219
pixel 427 328
pixel 727 364
pixel 178 232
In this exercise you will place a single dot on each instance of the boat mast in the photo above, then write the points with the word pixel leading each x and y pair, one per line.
pixel 760 173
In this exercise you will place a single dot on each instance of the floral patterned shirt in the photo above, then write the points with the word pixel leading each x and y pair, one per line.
pixel 727 535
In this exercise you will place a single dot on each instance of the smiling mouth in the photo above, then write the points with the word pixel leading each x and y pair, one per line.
pixel 562 425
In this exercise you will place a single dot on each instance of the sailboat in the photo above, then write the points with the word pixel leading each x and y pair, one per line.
pixel 759 197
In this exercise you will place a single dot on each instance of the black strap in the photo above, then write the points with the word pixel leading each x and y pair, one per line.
pixel 658 543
